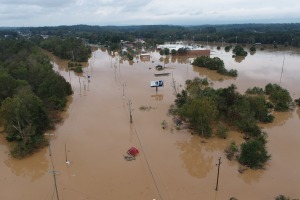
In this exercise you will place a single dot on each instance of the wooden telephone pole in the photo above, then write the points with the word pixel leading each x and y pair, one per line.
pixel 218 173
pixel 130 110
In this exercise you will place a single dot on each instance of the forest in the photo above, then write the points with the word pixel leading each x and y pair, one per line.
pixel 31 95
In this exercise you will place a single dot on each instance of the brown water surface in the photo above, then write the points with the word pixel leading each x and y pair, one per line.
pixel 172 164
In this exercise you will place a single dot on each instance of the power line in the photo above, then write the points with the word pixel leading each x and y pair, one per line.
pixel 152 175
pixel 143 152
pixel 140 143
pixel 281 70
pixel 53 172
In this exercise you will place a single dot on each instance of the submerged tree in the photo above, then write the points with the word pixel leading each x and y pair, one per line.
pixel 214 64
pixel 279 96
pixel 31 94
pixel 25 120
pixel 201 112
pixel 201 105
pixel 239 51
pixel 284 197
pixel 254 153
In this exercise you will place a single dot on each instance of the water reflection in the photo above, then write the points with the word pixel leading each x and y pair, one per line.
pixel 298 112
pixel 167 60
pixel 157 97
pixel 182 59
pixel 239 59
pixel 197 162
pixel 211 74
pixel 33 167
pixel 250 176
pixel 280 119
pixel 173 59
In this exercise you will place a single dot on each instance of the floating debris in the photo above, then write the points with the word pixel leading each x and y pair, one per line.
pixel 143 108
pixel 164 124
pixel 129 157
pixel 241 170
pixel 131 154
pixel 133 151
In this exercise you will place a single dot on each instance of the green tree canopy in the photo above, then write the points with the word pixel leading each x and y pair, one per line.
pixel 30 95
pixel 25 120
pixel 214 64
pixel 201 113
pixel 279 96
pixel 239 51
pixel 7 85
pixel 254 153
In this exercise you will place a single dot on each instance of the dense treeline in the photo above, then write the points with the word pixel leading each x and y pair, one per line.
pixel 31 95
pixel 282 34
pixel 70 48
pixel 202 106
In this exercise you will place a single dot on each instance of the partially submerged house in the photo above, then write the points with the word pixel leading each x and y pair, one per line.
pixel 145 57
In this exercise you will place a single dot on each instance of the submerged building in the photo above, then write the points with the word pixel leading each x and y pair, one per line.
pixel 191 49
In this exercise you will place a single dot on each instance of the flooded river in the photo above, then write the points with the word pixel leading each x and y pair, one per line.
pixel 87 148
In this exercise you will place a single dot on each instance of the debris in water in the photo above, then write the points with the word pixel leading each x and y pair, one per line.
pixel 241 170
pixel 129 157
pixel 164 124
pixel 131 154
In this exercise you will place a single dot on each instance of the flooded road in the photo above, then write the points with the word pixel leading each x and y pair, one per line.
pixel 172 164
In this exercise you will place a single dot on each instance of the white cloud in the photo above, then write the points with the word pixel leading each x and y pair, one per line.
pixel 136 12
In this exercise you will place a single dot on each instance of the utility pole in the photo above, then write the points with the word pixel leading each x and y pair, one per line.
pixel 130 110
pixel 49 146
pixel 281 70
pixel 66 155
pixel 79 84
pixel 55 185
pixel 175 92
pixel 218 173
pixel 124 85
pixel 207 40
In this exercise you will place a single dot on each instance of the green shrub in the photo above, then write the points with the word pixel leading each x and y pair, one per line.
pixel 253 48
pixel 239 51
pixel 297 101
pixel 255 90
pixel 227 48
pixel 222 131
pixel 279 96
pixel 254 153
pixel 78 69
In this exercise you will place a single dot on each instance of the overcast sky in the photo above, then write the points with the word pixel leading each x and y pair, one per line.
pixel 145 12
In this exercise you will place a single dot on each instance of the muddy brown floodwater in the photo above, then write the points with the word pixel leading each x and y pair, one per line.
pixel 172 164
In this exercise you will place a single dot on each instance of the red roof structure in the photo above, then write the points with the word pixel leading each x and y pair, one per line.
pixel 133 151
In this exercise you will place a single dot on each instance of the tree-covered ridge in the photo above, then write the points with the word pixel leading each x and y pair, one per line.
pixel 204 108
pixel 282 34
pixel 31 94
pixel 70 48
